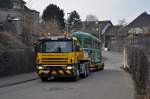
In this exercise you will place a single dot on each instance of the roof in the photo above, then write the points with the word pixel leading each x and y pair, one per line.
pixel 83 35
pixel 141 21
pixel 18 1
pixel 113 30
pixel 53 38
pixel 21 1
pixel 94 26
pixel 89 26
pixel 102 24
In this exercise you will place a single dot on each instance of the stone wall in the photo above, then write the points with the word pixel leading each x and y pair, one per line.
pixel 16 61
pixel 24 22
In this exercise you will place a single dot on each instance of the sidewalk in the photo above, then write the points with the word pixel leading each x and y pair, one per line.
pixel 17 79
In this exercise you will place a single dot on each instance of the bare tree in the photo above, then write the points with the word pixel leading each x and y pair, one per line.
pixel 50 28
pixel 122 22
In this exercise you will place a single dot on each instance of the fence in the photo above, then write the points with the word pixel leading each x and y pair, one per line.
pixel 137 59
pixel 16 61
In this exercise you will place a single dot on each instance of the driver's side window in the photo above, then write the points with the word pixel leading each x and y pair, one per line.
pixel 76 45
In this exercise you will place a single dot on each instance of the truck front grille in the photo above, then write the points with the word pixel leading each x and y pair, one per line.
pixel 54 60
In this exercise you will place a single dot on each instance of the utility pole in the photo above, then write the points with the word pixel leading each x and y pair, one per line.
pixel 104 40
pixel 99 31
pixel 68 23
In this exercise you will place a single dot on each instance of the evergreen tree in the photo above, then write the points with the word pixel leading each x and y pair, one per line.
pixel 54 14
pixel 74 20
pixel 5 4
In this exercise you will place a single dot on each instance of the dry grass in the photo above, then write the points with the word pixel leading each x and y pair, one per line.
pixel 10 40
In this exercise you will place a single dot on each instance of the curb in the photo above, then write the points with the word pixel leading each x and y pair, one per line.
pixel 19 82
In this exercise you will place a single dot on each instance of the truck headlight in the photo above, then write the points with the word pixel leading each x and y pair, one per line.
pixel 70 67
pixel 40 67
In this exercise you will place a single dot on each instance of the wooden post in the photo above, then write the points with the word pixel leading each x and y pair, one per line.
pixel 125 57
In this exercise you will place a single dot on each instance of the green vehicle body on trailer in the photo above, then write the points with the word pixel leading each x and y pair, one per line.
pixel 92 45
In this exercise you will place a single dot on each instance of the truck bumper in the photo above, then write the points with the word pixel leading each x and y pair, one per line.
pixel 56 73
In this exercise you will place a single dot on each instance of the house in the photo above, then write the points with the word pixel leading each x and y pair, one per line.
pixel 21 20
pixel 114 36
pixel 95 27
pixel 140 25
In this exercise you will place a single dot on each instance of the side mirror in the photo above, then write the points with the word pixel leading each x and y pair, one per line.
pixel 77 48
pixel 35 47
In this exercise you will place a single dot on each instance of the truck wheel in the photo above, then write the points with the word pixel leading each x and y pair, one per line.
pixel 102 66
pixel 85 72
pixel 98 68
pixel 44 79
pixel 77 76
pixel 88 71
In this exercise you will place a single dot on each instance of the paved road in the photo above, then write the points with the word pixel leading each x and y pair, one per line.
pixel 112 83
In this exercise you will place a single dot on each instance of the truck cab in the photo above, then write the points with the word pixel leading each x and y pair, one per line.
pixel 60 57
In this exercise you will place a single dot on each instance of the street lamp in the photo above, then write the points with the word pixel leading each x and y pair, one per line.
pixel 98 29
pixel 104 40
pixel 99 32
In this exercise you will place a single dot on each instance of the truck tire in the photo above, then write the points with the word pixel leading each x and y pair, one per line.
pixel 88 71
pixel 85 72
pixel 102 66
pixel 77 76
pixel 44 79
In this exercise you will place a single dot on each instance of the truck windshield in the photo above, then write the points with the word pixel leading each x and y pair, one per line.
pixel 56 47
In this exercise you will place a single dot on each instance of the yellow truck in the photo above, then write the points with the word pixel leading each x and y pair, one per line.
pixel 61 57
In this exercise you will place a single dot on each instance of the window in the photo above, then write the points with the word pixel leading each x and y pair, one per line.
pixel 87 43
pixel 56 46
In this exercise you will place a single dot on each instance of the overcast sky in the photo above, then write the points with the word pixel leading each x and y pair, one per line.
pixel 113 10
